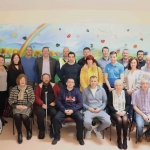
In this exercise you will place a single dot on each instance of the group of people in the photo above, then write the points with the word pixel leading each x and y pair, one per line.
pixel 105 89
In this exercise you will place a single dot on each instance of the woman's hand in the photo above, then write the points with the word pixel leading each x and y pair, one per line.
pixel 19 107
pixel 122 113
pixel 52 104
pixel 110 89
pixel 129 92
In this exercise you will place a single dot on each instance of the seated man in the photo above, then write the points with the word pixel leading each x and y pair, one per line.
pixel 69 102
pixel 141 105
pixel 53 91
pixel 95 101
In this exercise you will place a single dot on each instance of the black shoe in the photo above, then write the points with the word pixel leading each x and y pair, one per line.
pixel 41 134
pixel 20 138
pixel 29 135
pixel 125 144
pixel 81 142
pixel 120 145
pixel 51 133
pixel 55 141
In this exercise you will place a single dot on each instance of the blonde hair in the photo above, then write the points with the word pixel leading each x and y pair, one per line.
pixel 20 77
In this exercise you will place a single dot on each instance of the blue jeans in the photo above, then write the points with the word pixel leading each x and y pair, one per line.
pixel 139 124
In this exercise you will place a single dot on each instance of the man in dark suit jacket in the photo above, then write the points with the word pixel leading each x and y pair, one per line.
pixel 125 58
pixel 46 64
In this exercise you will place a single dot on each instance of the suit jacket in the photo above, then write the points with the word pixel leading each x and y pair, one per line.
pixel 39 65
pixel 121 62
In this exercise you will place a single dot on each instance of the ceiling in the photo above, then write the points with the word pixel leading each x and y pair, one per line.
pixel 125 5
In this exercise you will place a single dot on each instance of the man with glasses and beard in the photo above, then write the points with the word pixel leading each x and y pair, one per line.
pixel 140 56
pixel 53 91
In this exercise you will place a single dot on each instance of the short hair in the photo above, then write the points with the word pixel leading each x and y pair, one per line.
pixel 118 80
pixel 30 47
pixel 113 52
pixel 45 47
pixel 1 56
pixel 90 57
pixel 86 48
pixel 71 79
pixel 20 77
pixel 105 47
pixel 92 77
pixel 148 56
pixel 46 74
pixel 140 51
pixel 125 50
pixel 130 60
pixel 71 53
pixel 66 48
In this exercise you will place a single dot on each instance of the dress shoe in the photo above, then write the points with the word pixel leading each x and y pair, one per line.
pixel 20 138
pixel 51 133
pixel 81 142
pixel 29 135
pixel 41 134
pixel 125 144
pixel 54 142
pixel 120 145
pixel 140 139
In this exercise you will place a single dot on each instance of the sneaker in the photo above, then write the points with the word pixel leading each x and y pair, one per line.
pixel 41 134
pixel 140 139
pixel 98 134
pixel 81 142
pixel 55 141
pixel 88 134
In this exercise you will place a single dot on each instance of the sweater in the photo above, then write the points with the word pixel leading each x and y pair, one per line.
pixel 84 79
pixel 29 66
pixel 70 71
pixel 97 101
pixel 110 103
pixel 38 93
pixel 69 100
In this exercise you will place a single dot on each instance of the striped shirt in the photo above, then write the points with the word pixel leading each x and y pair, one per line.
pixel 142 100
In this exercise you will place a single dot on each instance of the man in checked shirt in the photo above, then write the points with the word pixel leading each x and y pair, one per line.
pixel 141 105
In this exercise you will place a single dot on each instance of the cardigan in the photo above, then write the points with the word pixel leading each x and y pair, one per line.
pixel 110 103
pixel 28 100
pixel 137 82
pixel 84 80
pixel 38 92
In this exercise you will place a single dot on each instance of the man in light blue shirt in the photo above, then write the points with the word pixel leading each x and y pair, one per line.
pixel 113 71
pixel 29 66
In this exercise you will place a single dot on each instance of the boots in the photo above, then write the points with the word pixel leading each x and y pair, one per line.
pixel 20 138
pixel 120 145
pixel 125 143
pixel 29 135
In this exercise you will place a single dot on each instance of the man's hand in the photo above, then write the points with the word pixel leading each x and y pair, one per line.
pixel 44 106
pixel 68 112
pixel 97 110
pixel 129 92
pixel 145 118
pixel 122 113
pixel 91 110
pixel 52 104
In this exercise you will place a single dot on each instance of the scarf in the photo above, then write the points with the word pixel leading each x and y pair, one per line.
pixel 21 93
pixel 119 101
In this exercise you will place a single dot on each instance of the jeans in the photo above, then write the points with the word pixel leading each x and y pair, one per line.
pixel 58 119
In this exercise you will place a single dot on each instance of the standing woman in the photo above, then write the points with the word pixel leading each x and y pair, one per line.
pixel 90 69
pixel 118 104
pixel 3 88
pixel 15 68
pixel 132 80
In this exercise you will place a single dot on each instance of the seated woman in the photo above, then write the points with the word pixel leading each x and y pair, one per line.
pixel 21 100
pixel 88 70
pixel 118 104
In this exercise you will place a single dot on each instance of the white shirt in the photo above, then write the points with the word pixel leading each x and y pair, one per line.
pixel 93 91
pixel 46 66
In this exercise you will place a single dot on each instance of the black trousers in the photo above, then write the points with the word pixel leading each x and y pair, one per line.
pixel 40 112
pixel 2 102
pixel 58 119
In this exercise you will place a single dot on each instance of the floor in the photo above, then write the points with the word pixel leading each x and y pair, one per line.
pixel 8 141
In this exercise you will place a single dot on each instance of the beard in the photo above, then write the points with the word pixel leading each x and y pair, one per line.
pixel 46 82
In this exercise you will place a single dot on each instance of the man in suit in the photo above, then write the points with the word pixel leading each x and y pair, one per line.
pixel 46 64
pixel 125 58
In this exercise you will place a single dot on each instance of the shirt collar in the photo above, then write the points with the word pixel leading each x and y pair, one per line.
pixel 105 59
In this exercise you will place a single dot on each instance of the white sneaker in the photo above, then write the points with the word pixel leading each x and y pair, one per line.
pixel 98 134
pixel 88 134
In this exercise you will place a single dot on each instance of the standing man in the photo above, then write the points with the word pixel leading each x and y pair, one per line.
pixel 69 103
pixel 125 58
pixel 86 52
pixel 70 70
pixel 146 69
pixel 141 105
pixel 46 64
pixel 94 102
pixel 140 56
pixel 103 62
pixel 29 65
pixel 113 71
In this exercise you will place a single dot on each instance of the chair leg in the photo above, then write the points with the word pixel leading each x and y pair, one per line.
pixel 136 137
pixel 103 133
pixel 110 132
pixel 129 129
pixel 31 123
pixel 13 126
pixel 84 132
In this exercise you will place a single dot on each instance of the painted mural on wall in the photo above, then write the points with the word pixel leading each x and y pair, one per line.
pixel 15 38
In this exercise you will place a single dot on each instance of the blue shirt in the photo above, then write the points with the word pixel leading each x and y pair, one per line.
pixel 114 72
pixel 29 67
pixel 102 63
